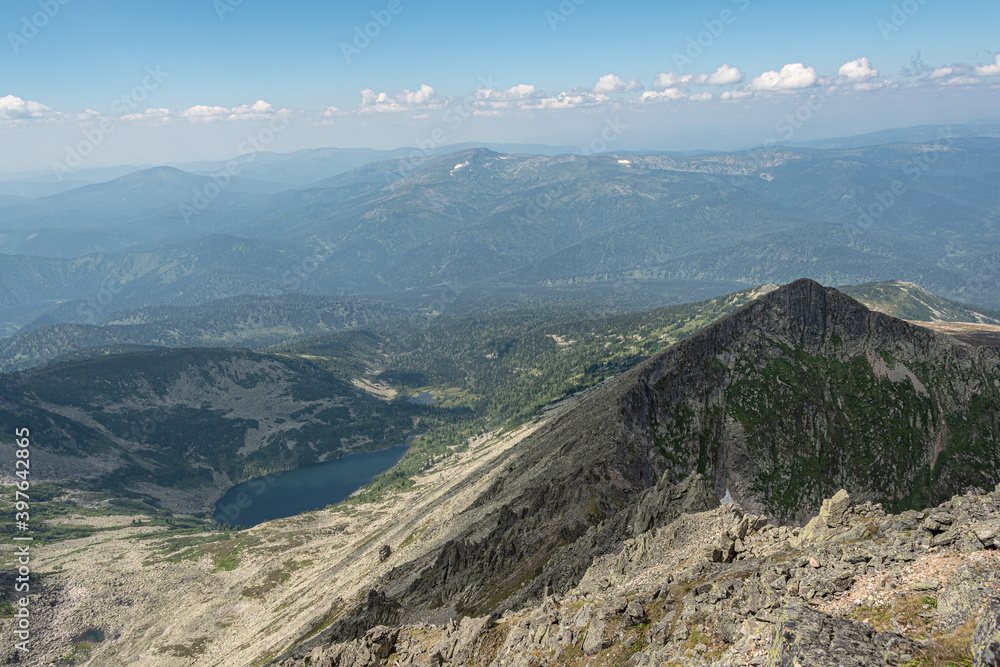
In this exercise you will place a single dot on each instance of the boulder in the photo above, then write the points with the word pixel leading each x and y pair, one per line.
pixel 988 533
pixel 967 589
pixel 634 614
pixel 381 640
pixel 456 645
pixel 986 641
pixel 804 636
pixel 925 586
pixel 595 642
pixel 938 521
pixel 947 537
pixel 834 510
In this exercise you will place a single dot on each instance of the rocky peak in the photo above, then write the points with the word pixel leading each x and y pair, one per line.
pixel 771 401
pixel 772 408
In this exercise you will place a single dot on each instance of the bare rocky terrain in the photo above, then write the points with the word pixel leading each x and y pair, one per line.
pixel 968 332
pixel 238 598
pixel 723 588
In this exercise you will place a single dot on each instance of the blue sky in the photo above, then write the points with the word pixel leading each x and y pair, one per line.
pixel 528 71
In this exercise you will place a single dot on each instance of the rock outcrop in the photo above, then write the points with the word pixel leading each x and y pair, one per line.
pixel 889 597
pixel 804 636
pixel 986 642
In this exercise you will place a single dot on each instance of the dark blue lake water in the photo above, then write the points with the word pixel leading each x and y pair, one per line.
pixel 422 398
pixel 303 489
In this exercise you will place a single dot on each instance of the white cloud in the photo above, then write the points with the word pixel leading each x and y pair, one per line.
pixel 372 102
pixel 502 99
pixel 423 98
pixel 612 83
pixel 856 71
pixel 526 96
pixel 521 91
pixel 700 97
pixel 735 95
pixel 723 76
pixel 417 97
pixel 942 72
pixel 990 70
pixel 14 108
pixel 665 80
pixel 792 76
pixel 569 100
pixel 662 95
pixel 202 113
pixel 961 81
pixel 148 114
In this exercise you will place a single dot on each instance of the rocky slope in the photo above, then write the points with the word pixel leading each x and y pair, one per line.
pixel 806 391
pixel 724 587
pixel 909 301
pixel 777 405
pixel 149 595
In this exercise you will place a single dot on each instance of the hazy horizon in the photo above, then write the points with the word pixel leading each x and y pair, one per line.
pixel 194 80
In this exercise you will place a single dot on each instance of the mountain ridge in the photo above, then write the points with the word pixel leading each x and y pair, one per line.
pixel 590 468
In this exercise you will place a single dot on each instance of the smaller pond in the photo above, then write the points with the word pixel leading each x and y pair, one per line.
pixel 422 398
pixel 308 488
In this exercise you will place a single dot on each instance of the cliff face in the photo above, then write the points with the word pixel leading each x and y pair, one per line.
pixel 806 391
pixel 801 393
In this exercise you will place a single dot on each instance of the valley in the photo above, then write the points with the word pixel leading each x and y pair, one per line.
pixel 486 522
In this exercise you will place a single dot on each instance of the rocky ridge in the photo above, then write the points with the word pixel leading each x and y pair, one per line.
pixel 725 587
pixel 776 406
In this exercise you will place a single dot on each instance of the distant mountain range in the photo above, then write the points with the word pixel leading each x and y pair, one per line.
pixel 477 218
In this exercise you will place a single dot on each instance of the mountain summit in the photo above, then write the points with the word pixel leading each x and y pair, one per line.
pixel 780 404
